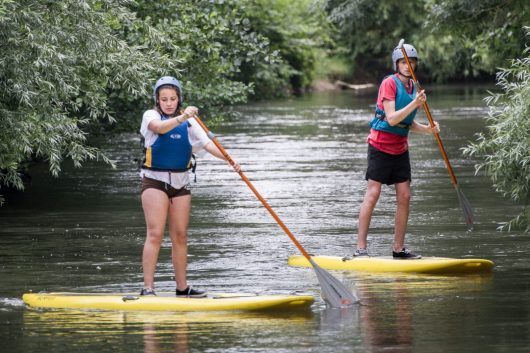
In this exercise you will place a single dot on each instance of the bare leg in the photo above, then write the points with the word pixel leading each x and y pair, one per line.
pixel 155 205
pixel 373 190
pixel 179 216
pixel 402 214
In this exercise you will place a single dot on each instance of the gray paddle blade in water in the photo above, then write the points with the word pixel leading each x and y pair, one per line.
pixel 466 208
pixel 334 292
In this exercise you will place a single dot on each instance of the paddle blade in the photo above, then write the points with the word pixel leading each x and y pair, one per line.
pixel 466 208
pixel 334 292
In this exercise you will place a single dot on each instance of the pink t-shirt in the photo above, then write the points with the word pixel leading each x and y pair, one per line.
pixel 386 141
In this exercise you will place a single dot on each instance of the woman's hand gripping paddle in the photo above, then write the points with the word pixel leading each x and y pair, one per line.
pixel 334 292
pixel 464 203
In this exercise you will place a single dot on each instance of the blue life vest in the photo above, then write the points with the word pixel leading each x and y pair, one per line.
pixel 171 151
pixel 403 98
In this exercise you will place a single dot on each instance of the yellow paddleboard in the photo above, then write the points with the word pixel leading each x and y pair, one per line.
pixel 434 265
pixel 167 302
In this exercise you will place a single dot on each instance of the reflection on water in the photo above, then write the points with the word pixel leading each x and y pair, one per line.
pixel 84 232
pixel 388 327
pixel 159 331
pixel 395 324
pixel 387 318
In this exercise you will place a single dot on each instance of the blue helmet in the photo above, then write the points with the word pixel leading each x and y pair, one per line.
pixel 170 81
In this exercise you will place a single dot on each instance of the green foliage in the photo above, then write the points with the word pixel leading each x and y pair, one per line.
pixel 506 146
pixel 478 36
pixel 298 32
pixel 206 42
pixel 370 30
pixel 71 67
pixel 57 62
pixel 209 41
pixel 332 67
pixel 456 39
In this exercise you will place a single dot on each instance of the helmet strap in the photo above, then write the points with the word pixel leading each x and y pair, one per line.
pixel 400 74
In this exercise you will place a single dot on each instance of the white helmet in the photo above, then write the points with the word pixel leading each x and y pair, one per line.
pixel 168 81
pixel 398 54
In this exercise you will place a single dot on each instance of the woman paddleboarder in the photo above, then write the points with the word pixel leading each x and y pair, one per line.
pixel 171 137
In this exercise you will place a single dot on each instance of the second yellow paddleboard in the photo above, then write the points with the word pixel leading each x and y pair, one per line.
pixel 434 265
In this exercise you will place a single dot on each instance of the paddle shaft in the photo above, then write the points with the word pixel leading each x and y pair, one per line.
pixel 429 117
pixel 258 195
pixel 464 203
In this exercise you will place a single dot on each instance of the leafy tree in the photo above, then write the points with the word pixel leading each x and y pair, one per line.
pixel 370 30
pixel 70 67
pixel 456 39
pixel 58 60
pixel 506 145
pixel 207 42
pixel 298 31
pixel 476 36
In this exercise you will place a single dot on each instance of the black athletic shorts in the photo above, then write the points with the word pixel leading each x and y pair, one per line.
pixel 387 168
pixel 170 191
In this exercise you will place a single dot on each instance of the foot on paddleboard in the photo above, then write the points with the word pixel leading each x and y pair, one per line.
pixel 147 291
pixel 405 254
pixel 360 252
pixel 189 292
pixel 356 253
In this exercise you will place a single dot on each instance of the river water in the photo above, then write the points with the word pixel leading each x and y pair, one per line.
pixel 85 231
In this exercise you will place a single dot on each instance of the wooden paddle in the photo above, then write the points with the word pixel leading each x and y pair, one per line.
pixel 334 292
pixel 464 203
